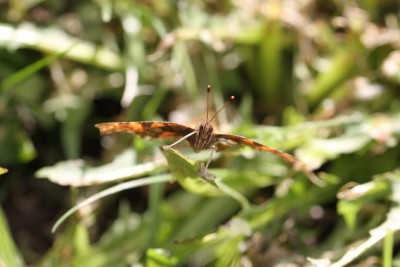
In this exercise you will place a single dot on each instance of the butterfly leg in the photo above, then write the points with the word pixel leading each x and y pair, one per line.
pixel 203 169
pixel 182 139
pixel 209 159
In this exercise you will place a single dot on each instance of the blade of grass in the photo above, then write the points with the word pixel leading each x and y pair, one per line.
pixel 29 70
pixel 244 203
pixel 388 249
pixel 112 190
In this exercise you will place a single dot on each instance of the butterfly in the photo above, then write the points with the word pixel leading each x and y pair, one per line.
pixel 200 138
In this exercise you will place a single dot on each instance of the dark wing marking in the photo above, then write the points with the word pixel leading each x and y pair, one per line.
pixel 225 141
pixel 153 129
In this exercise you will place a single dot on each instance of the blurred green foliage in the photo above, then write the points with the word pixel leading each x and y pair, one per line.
pixel 316 78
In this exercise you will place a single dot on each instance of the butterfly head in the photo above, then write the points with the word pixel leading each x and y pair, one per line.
pixel 205 137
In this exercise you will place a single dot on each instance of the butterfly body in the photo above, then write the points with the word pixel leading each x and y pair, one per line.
pixel 204 137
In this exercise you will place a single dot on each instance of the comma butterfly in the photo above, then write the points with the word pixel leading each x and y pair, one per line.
pixel 199 138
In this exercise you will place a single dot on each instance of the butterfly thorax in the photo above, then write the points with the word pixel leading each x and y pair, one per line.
pixel 204 137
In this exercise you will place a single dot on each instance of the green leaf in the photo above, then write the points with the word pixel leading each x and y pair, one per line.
pixel 187 173
pixel 78 173
pixel 159 258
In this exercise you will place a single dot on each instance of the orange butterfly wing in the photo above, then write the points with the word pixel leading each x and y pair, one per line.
pixel 225 141
pixel 153 129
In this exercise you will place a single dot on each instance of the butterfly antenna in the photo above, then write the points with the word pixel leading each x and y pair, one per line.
pixel 226 103
pixel 208 97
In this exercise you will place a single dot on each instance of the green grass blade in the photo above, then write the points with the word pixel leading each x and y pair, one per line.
pixel 388 242
pixel 110 191
pixel 29 70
